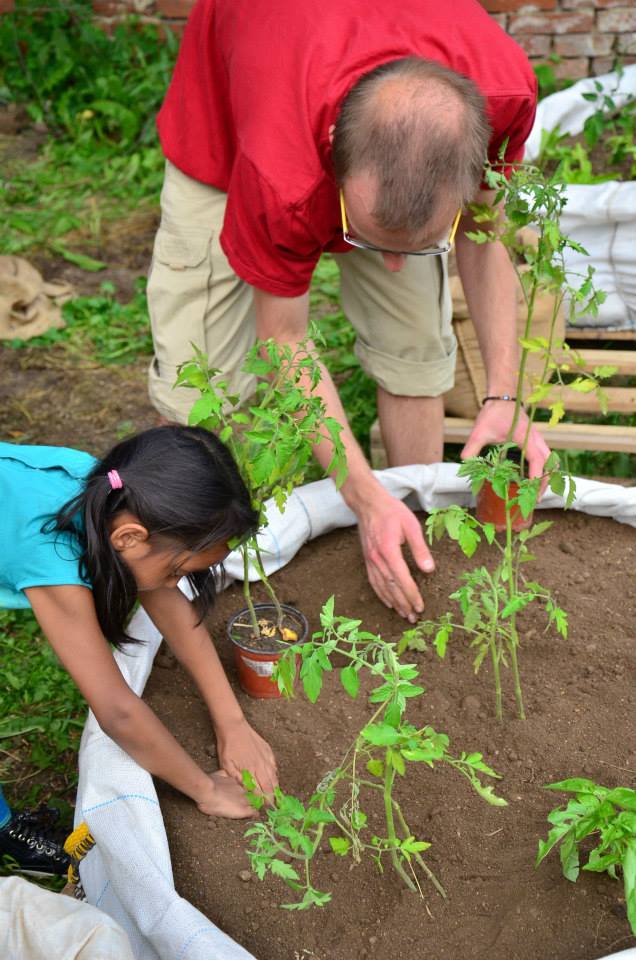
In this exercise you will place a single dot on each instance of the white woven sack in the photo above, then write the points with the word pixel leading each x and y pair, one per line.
pixel 601 217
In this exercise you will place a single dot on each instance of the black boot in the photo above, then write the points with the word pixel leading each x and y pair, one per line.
pixel 31 840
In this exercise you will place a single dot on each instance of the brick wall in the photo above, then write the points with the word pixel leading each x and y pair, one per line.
pixel 586 35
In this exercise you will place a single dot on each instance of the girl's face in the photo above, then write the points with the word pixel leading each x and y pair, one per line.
pixel 164 566
pixel 156 562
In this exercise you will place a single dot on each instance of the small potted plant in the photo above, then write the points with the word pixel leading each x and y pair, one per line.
pixel 271 439
pixel 384 752
pixel 528 199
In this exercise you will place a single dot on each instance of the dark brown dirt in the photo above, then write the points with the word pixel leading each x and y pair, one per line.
pixel 49 397
pixel 580 700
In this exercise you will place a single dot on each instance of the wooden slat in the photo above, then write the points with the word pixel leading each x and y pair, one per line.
pixel 565 436
pixel 619 400
pixel 623 360
pixel 598 333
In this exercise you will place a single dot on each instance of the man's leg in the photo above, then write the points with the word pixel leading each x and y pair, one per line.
pixel 194 296
pixel 406 343
pixel 412 428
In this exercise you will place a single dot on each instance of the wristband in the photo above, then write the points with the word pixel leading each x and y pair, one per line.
pixel 505 396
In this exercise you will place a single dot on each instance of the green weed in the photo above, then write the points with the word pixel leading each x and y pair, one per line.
pixel 41 713
pixel 101 328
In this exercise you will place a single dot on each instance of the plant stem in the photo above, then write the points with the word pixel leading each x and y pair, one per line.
pixel 389 775
pixel 420 860
pixel 258 563
pixel 513 617
pixel 246 590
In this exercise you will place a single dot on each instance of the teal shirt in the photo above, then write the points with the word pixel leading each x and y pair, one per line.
pixel 34 483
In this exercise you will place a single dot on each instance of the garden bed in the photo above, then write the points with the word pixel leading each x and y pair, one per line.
pixel 580 700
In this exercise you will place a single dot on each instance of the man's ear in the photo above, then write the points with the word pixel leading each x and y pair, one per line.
pixel 332 130
pixel 129 535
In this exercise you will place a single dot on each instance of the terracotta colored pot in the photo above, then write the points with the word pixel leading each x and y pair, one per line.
pixel 490 508
pixel 256 666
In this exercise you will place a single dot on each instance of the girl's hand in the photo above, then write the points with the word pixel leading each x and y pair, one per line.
pixel 225 798
pixel 241 748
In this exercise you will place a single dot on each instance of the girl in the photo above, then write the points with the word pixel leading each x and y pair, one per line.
pixel 80 541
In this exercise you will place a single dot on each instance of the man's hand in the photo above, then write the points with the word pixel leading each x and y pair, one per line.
pixel 385 525
pixel 241 748
pixel 492 426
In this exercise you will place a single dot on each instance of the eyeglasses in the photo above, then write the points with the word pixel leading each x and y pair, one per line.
pixel 363 245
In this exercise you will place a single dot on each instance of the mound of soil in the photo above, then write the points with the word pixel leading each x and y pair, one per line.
pixel 580 700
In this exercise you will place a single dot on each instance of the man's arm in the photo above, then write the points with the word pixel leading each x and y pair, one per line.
pixel 490 286
pixel 385 523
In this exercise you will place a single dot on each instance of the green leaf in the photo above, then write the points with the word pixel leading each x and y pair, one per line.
pixel 340 845
pixel 578 785
pixel 380 734
pixel 468 540
pixel 79 259
pixel 569 855
pixel 375 768
pixel 282 869
pixel 629 881
pixel 350 680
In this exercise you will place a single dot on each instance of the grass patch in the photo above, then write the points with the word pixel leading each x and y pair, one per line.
pixel 101 328
pixel 96 95
pixel 42 715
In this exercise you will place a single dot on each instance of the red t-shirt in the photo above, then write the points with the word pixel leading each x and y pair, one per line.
pixel 258 84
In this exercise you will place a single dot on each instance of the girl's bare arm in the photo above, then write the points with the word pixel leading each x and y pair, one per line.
pixel 67 617
pixel 239 746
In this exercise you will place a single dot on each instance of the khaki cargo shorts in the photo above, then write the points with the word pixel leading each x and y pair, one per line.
pixel 404 340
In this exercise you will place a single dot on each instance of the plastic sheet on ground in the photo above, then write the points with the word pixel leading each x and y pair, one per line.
pixel 601 216
pixel 128 874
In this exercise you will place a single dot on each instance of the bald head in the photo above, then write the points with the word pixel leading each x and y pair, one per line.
pixel 420 132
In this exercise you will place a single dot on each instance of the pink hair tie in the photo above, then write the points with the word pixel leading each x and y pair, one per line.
pixel 115 480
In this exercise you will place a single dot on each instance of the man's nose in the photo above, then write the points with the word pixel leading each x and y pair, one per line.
pixel 394 261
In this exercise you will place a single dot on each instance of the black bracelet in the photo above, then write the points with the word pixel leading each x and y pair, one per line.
pixel 505 396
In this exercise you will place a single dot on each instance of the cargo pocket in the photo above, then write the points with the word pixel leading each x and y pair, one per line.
pixel 179 289
pixel 181 251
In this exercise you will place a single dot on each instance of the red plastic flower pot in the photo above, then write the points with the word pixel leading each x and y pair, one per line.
pixel 256 658
pixel 490 508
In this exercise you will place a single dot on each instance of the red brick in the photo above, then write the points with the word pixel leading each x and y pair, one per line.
pixel 579 21
pixel 507 6
pixel 610 3
pixel 569 69
pixel 625 44
pixel 110 8
pixel 174 9
pixel 171 26
pixel 584 45
pixel 607 64
pixel 6 6
pixel 535 45
pixel 578 4
pixel 619 20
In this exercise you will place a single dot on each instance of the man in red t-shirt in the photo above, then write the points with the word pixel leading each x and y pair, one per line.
pixel 291 128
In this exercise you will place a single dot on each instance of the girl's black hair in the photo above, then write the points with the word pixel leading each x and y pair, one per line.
pixel 180 483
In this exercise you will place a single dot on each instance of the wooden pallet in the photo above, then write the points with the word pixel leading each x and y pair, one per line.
pixel 569 436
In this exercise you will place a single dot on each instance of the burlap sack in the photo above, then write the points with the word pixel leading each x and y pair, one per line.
pixel 28 305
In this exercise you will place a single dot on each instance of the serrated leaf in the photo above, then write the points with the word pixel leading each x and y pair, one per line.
pixel 350 680
pixel 340 845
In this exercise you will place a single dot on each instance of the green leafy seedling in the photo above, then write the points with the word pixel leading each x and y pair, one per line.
pixel 273 436
pixel 380 754
pixel 608 815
